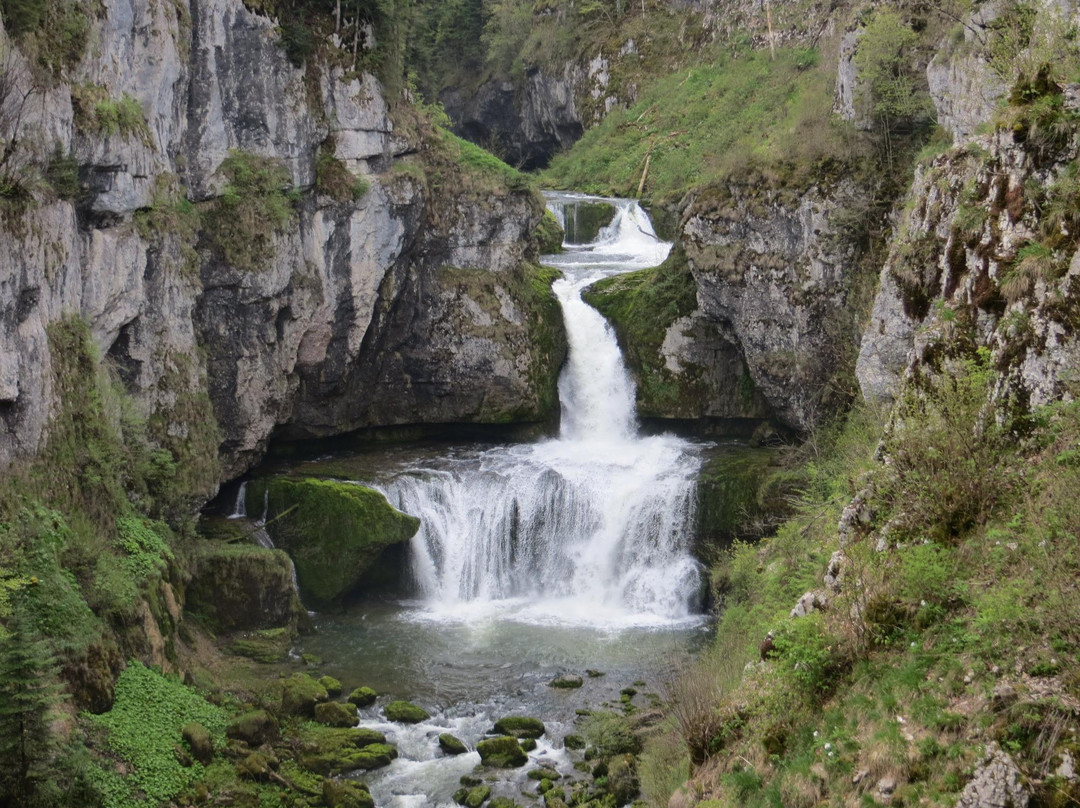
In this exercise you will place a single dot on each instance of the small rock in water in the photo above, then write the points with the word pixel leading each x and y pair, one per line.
pixel 332 685
pixel 502 802
pixel 520 726
pixel 566 682
pixel 472 797
pixel 363 697
pixel 594 674
pixel 405 712
pixel 469 781
pixel 502 753
pixel 451 745
pixel 574 742
pixel 544 774
pixel 528 744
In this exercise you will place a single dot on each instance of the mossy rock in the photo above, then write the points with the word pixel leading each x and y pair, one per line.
pixel 342 753
pixel 736 488
pixel 451 745
pixel 335 714
pixel 199 742
pixel 574 742
pixel 527 744
pixel 333 531
pixel 332 685
pixel 585 220
pixel 566 682
pixel 266 645
pixel 346 794
pixel 256 766
pixel 502 753
pixel 242 587
pixel 299 695
pixel 502 802
pixel 363 697
pixel 520 726
pixel 544 774
pixel 405 712
pixel 472 797
pixel 549 235
pixel 254 728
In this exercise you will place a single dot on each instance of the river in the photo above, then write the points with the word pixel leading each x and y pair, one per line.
pixel 533 560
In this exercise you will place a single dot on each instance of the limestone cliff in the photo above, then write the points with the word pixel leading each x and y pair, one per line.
pixel 221 268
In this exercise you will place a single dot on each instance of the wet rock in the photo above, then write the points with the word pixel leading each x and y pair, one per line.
pixel 544 786
pixel 404 712
pixel 472 797
pixel 335 714
pixel 527 744
pixel 574 742
pixel 199 742
pixel 299 695
pixel 253 728
pixel 452 745
pixel 346 794
pixel 363 697
pixel 520 726
pixel 502 802
pixel 594 674
pixel 566 682
pixel 544 774
pixel 997 783
pixel 501 753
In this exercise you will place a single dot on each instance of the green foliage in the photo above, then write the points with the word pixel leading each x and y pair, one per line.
pixel 256 203
pixel 96 113
pixel 172 218
pixel 52 33
pixel 487 169
pixel 887 73
pixel 711 121
pixel 610 734
pixel 144 726
pixel 62 175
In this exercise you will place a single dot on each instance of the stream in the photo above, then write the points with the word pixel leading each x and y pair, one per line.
pixel 533 560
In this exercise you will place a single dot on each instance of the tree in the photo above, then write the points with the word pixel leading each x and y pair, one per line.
pixel 30 692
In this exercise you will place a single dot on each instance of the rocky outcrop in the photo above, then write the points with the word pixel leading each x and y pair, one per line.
pixel 345 297
pixel 778 281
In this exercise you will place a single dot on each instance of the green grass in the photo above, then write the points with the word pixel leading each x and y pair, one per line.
pixel 143 727
pixel 705 122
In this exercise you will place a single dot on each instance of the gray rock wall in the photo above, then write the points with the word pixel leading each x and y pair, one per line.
pixel 274 346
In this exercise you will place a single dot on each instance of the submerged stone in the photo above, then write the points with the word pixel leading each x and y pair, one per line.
pixel 405 712
pixel 502 753
pixel 566 682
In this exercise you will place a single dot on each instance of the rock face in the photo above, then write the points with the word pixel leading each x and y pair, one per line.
pixel 778 286
pixel 349 302
pixel 524 126
pixel 996 784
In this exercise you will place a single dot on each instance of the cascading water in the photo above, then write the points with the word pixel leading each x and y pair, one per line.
pixel 590 528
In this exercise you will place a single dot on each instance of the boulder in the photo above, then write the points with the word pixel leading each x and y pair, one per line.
pixel 472 797
pixel 256 766
pixel 346 794
pixel 335 714
pixel 405 712
pixel 333 531
pixel 332 685
pixel 997 782
pixel 363 697
pixel 299 695
pixel 254 728
pixel 520 726
pixel 199 742
pixel 502 753
pixel 452 745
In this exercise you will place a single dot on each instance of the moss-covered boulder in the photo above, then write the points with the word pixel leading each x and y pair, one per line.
pixel 299 695
pixel 254 728
pixel 199 742
pixel 363 697
pixel 332 685
pixel 335 714
pixel 574 742
pixel 502 753
pixel 266 645
pixel 544 774
pixel 240 586
pixel 502 802
pixel 520 726
pixel 585 220
pixel 549 235
pixel 346 794
pixel 738 487
pixel 451 745
pixel 566 682
pixel 405 712
pixel 329 751
pixel 472 797
pixel 333 531
pixel 256 766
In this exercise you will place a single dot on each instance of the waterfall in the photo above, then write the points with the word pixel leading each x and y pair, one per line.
pixel 240 506
pixel 592 527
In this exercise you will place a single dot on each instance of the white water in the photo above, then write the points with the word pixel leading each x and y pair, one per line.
pixel 591 528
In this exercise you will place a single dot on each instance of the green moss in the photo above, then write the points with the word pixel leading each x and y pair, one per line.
pixel 501 753
pixel 363 697
pixel 256 203
pixel 451 745
pixel 335 714
pixel 332 530
pixel 299 695
pixel 337 750
pixel 97 113
pixel 145 725
pixel 734 494
pixel 549 235
pixel 642 306
pixel 333 178
pixel 585 220
pixel 405 712
pixel 520 726
pixel 265 645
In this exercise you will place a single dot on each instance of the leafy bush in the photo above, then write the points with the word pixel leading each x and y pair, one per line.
pixel 97 113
